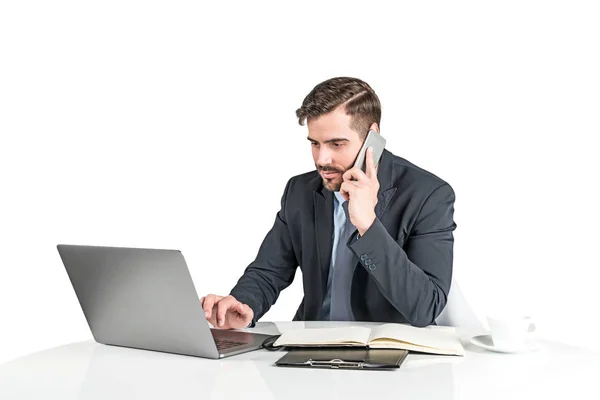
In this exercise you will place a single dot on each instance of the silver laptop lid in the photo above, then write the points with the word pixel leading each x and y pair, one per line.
pixel 140 298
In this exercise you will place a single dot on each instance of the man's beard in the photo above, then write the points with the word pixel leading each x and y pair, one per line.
pixel 330 184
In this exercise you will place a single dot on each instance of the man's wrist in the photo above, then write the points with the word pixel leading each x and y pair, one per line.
pixel 362 229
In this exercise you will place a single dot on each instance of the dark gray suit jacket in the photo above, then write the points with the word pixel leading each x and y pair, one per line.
pixel 404 260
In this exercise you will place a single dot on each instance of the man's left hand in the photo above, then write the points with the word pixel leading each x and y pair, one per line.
pixel 360 190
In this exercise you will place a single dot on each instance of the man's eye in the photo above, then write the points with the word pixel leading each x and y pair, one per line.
pixel 314 144
pixel 337 145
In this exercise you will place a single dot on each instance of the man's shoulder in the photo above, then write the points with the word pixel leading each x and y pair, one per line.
pixel 405 175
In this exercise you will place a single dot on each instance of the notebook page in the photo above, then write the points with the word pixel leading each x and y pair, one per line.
pixel 322 336
pixel 425 337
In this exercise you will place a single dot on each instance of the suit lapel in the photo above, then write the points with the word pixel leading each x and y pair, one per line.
pixel 383 199
pixel 386 188
pixel 323 203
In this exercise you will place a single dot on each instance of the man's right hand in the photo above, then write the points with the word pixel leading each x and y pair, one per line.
pixel 226 312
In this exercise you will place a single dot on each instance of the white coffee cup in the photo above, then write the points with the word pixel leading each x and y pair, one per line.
pixel 510 332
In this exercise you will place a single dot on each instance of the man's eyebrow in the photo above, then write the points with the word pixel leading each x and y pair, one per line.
pixel 334 140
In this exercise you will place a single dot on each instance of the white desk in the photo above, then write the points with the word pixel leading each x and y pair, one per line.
pixel 87 370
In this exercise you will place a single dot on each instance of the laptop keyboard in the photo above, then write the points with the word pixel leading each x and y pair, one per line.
pixel 223 344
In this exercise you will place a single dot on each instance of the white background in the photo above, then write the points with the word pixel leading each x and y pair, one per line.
pixel 171 125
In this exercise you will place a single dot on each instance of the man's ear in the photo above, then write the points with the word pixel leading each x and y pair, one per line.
pixel 374 127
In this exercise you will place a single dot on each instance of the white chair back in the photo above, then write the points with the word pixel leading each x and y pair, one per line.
pixel 457 313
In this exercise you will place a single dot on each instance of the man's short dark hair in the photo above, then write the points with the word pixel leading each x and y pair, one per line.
pixel 356 96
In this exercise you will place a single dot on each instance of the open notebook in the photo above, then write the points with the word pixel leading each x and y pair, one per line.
pixel 386 336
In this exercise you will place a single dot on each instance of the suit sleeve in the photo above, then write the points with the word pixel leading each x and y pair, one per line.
pixel 414 278
pixel 273 269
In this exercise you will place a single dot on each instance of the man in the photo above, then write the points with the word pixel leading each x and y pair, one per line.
pixel 372 246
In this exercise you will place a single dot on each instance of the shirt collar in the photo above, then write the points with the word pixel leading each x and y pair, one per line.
pixel 339 198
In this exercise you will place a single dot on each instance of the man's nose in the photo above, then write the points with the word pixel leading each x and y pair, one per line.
pixel 324 157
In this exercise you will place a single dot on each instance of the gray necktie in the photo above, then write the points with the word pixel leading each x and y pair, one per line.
pixel 345 262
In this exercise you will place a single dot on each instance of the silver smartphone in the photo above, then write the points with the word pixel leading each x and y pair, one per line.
pixel 377 142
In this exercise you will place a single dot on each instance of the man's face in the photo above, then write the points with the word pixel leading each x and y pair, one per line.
pixel 334 146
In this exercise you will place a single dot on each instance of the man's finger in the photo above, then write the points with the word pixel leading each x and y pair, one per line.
pixel 371 170
pixel 246 313
pixel 353 174
pixel 207 304
pixel 239 308
pixel 223 306
pixel 355 184
pixel 346 189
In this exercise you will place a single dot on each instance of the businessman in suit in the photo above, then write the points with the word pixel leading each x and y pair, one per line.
pixel 372 246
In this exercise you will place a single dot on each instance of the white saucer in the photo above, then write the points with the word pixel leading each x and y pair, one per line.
pixel 486 342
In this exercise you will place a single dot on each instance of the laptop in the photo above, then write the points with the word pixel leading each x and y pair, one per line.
pixel 146 299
